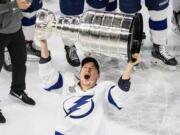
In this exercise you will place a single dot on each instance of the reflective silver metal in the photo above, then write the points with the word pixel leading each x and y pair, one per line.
pixel 110 34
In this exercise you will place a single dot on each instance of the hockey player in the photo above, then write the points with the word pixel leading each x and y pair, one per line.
pixel 82 100
pixel 28 26
pixel 71 8
pixel 158 27
pixel 176 16
pixel 76 8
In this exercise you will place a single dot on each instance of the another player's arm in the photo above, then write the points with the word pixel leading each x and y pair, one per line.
pixel 50 77
pixel 118 94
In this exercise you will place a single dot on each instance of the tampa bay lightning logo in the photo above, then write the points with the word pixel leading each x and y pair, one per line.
pixel 78 107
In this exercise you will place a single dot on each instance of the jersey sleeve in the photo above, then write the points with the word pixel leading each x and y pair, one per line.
pixel 51 79
pixel 117 95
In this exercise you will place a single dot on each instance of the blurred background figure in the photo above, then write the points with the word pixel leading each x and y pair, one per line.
pixel 76 8
pixel 11 36
pixel 158 28
pixel 176 16
pixel 71 8
pixel 28 26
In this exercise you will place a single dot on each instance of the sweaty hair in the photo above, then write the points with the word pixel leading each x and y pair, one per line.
pixel 90 59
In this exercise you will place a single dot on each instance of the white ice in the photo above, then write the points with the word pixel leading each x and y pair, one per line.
pixel 153 105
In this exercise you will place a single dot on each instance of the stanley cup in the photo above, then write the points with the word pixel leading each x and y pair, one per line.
pixel 111 34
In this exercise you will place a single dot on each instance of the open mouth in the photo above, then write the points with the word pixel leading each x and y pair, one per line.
pixel 87 77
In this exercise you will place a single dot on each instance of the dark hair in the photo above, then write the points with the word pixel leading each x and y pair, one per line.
pixel 90 59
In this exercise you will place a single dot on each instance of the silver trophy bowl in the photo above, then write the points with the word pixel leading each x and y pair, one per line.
pixel 111 34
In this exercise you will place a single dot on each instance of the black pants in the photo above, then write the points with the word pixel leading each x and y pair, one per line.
pixel 16 46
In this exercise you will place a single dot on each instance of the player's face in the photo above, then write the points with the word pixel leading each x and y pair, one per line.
pixel 88 75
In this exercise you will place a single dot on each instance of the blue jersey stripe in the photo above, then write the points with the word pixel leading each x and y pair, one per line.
pixel 111 100
pixel 57 85
pixel 28 21
pixel 58 133
pixel 158 25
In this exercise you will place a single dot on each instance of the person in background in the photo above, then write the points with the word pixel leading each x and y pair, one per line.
pixel 28 27
pixel 71 8
pixel 77 8
pixel 176 16
pixel 11 36
pixel 158 28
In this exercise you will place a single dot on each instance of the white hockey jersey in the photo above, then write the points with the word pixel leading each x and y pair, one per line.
pixel 81 113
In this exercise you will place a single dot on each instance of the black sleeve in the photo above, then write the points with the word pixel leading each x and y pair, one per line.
pixel 44 60
pixel 124 84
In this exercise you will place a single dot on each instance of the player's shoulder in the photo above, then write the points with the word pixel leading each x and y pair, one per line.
pixel 106 84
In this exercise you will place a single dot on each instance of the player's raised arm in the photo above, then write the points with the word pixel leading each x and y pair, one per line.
pixel 50 77
pixel 118 95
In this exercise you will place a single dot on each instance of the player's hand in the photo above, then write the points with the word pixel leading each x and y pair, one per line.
pixel 23 4
pixel 136 59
